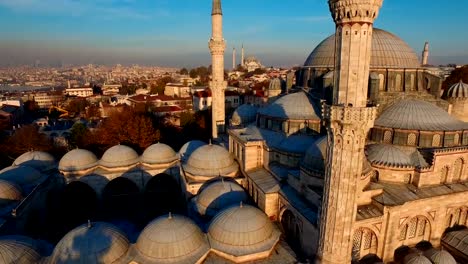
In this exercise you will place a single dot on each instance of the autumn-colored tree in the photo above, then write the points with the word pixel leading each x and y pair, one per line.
pixel 93 111
pixel 26 139
pixel 158 87
pixel 456 75
pixel 77 105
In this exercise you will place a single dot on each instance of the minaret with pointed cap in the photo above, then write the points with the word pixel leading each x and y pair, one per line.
pixel 217 47
pixel 425 54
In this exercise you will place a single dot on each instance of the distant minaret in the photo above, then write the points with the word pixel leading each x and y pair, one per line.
pixel 242 56
pixel 234 58
pixel 425 54
pixel 217 47
pixel 68 84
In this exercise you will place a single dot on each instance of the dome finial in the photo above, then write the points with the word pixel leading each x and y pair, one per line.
pixel 170 216
pixel 210 142
pixel 89 223
pixel 241 204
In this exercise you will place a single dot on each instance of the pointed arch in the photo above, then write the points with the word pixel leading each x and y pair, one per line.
pixel 415 230
pixel 457 173
pixel 457 217
pixel 365 242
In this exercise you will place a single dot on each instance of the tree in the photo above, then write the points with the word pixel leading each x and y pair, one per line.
pixel 77 106
pixel 183 71
pixel 456 75
pixel 160 85
pixel 26 139
pixel 78 135
pixel 93 111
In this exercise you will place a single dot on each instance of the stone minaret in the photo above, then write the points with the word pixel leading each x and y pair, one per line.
pixel 217 47
pixel 242 56
pixel 348 120
pixel 425 54
pixel 234 58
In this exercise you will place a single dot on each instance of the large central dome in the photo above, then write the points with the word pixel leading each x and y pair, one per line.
pixel 388 51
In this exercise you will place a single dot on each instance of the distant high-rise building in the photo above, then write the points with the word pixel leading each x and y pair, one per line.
pixel 242 56
pixel 234 58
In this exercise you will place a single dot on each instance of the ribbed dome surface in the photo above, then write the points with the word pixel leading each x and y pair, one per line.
pixel 316 155
pixel 388 51
pixel 18 249
pixel 211 160
pixel 173 239
pixel 36 159
pixel 457 240
pixel 293 106
pixel 439 256
pixel 241 231
pixel 218 196
pixel 387 155
pixel 416 258
pixel 9 192
pixel 99 243
pixel 78 159
pixel 158 154
pixel 418 115
pixel 244 114
pixel 188 148
pixel 21 175
pixel 458 90
pixel 119 156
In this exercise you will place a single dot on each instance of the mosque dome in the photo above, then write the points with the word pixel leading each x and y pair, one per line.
pixel 21 175
pixel 314 158
pixel 418 115
pixel 18 249
pixel 91 243
pixel 293 106
pixel 211 160
pixel 173 239
pixel 217 196
pixel 275 84
pixel 9 192
pixel 388 155
pixel 158 154
pixel 439 256
pixel 77 160
pixel 388 51
pixel 188 148
pixel 416 258
pixel 119 156
pixel 244 114
pixel 37 159
pixel 458 90
pixel 242 230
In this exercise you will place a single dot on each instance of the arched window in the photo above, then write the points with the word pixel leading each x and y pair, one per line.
pixel 381 82
pixel 388 137
pixel 458 217
pixel 364 243
pixel 398 83
pixel 415 230
pixel 436 140
pixel 444 174
pixel 412 139
pixel 457 170
pixel 412 87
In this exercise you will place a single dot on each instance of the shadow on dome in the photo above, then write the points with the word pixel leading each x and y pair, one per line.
pixel 121 199
pixel 400 253
pixel 211 181
pixel 370 259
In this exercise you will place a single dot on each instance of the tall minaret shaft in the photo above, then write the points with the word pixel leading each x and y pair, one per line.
pixel 217 47
pixel 348 121
pixel 425 54
pixel 242 56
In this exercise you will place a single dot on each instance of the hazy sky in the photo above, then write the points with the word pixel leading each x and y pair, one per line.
pixel 176 32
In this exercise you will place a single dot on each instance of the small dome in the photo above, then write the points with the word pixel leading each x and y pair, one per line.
pixel 188 148
pixel 387 155
pixel 244 114
pixel 9 192
pixel 275 84
pixel 119 156
pixel 439 256
pixel 211 160
pixel 173 239
pixel 158 154
pixel 217 196
pixel 388 51
pixel 77 160
pixel 18 249
pixel 242 230
pixel 97 243
pixel 458 90
pixel 36 159
pixel 296 106
pixel 316 155
pixel 416 258
pixel 21 175
pixel 418 115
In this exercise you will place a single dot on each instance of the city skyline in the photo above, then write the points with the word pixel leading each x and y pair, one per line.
pixel 175 33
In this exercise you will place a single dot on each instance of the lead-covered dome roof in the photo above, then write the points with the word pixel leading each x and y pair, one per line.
pixel 37 159
pixel 119 156
pixel 388 155
pixel 244 114
pixel 418 115
pixel 242 230
pixel 188 148
pixel 158 154
pixel 171 239
pixel 316 154
pixel 211 160
pixel 416 258
pixel 439 256
pixel 91 243
pixel 9 192
pixel 77 160
pixel 388 51
pixel 21 175
pixel 19 249
pixel 298 106
pixel 457 91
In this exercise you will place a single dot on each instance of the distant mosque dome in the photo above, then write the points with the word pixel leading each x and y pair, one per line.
pixel 416 258
pixel 241 231
pixel 217 196
pixel 439 256
pixel 77 160
pixel 9 192
pixel 159 154
pixel 388 51
pixel 211 161
pixel 315 156
pixel 244 114
pixel 457 91
pixel 119 156
pixel 37 159
pixel 275 84
pixel 21 175
pixel 171 239
pixel 296 106
pixel 96 242
pixel 19 249
pixel 188 148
